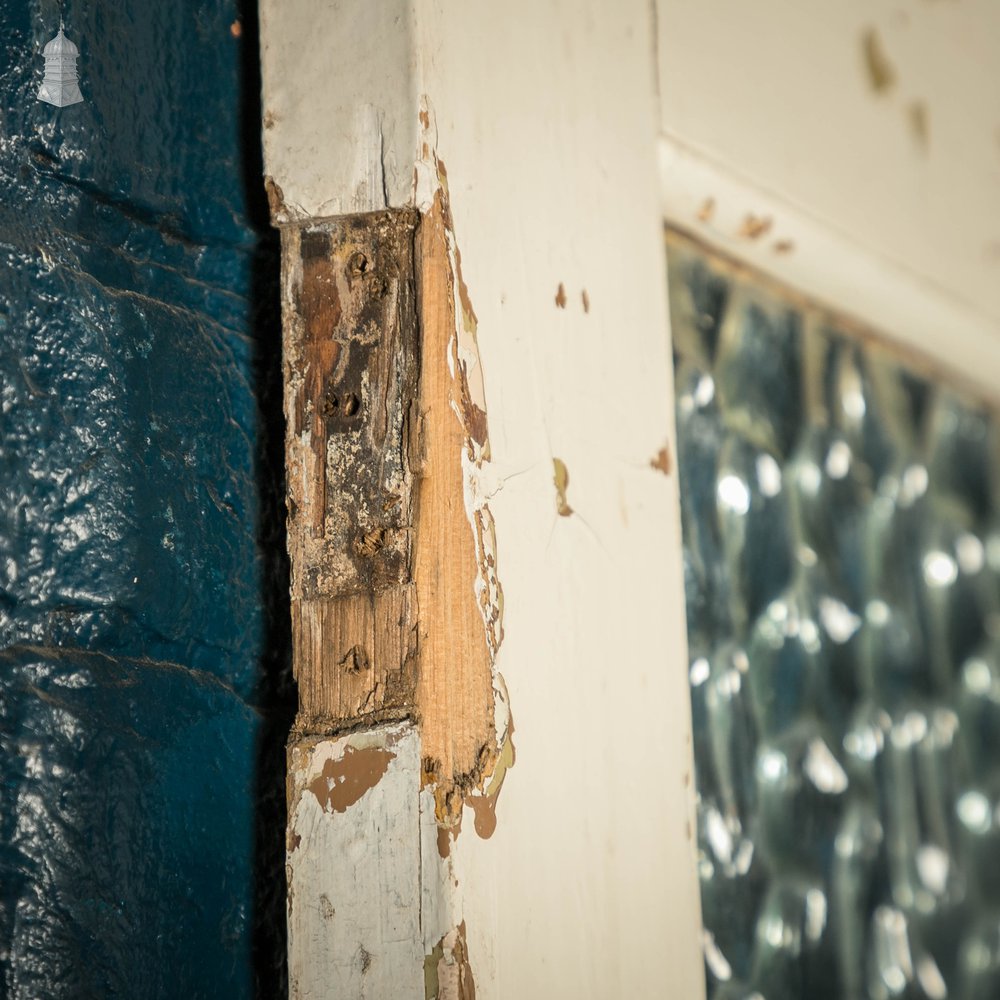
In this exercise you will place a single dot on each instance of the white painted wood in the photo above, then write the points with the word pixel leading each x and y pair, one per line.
pixel 340 119
pixel 354 874
pixel 713 202
pixel 544 115
pixel 777 92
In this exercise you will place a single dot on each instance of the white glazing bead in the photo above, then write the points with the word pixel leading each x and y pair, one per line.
pixel 60 85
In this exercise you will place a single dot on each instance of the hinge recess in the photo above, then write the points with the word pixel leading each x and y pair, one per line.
pixel 351 357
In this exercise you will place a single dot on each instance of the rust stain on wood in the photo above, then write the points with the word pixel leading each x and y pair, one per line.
pixel 343 782
pixel 585 298
pixel 561 296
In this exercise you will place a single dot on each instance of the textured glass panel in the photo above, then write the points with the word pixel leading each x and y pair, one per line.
pixel 842 569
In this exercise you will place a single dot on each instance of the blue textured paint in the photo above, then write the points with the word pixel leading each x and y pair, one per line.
pixel 131 611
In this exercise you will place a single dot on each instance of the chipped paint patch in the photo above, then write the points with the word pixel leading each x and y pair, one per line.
pixel 447 971
pixel 880 72
pixel 754 227
pixel 343 782
pixel 432 983
pixel 275 196
pixel 561 296
pixel 919 124
pixel 560 477
pixel 484 805
pixel 661 461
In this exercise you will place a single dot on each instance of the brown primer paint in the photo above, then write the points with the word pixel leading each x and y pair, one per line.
pixel 344 782
pixel 560 477
pixel 662 461
pixel 275 198
pixel 920 124
pixel 754 226
pixel 484 808
pixel 880 71
pixel 447 970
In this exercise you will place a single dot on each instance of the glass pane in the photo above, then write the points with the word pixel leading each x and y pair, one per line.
pixel 842 561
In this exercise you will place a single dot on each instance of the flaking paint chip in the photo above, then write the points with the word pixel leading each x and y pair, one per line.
pixel 561 479
pixel 919 124
pixel 881 72
pixel 661 462
pixel 755 226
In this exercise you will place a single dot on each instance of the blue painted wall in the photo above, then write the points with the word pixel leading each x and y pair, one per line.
pixel 143 686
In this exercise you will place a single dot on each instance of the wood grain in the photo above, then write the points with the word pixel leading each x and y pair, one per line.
pixel 455 686
pixel 395 596
pixel 351 370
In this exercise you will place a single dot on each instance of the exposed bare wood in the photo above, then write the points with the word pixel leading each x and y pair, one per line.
pixel 455 687
pixel 357 658
pixel 387 576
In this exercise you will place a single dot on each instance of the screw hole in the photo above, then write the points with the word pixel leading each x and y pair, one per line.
pixel 355 660
pixel 346 405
